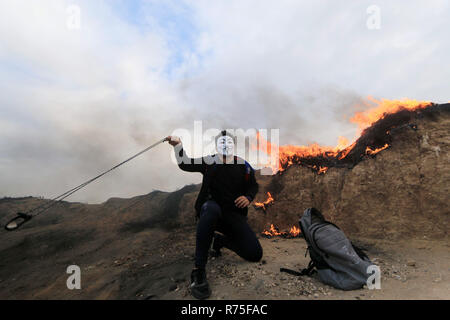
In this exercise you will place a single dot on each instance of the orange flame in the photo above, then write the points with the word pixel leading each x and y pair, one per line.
pixel 266 203
pixel 380 108
pixel 373 152
pixel 294 231
pixel 273 232
pixel 322 170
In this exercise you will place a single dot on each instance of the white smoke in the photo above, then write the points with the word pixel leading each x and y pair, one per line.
pixel 74 102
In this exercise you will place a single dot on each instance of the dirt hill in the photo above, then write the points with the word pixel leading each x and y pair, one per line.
pixel 394 203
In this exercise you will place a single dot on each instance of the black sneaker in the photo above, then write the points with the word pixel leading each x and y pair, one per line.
pixel 199 285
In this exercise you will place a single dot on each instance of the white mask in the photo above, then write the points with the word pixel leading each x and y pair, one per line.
pixel 225 146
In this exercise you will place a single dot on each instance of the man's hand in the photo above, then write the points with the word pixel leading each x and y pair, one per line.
pixel 242 202
pixel 173 140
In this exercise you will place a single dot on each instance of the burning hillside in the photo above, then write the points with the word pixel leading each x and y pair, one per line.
pixel 400 190
pixel 375 126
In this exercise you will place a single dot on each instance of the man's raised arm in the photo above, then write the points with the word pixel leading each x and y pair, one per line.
pixel 184 162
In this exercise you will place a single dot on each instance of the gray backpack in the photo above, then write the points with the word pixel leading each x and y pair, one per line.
pixel 338 262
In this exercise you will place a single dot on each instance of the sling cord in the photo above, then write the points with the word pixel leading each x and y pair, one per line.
pixel 44 207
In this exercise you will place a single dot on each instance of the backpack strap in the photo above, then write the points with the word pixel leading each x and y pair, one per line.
pixel 360 252
pixel 310 269
pixel 290 271
pixel 304 272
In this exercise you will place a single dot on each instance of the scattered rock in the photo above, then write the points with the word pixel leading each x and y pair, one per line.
pixel 173 287
pixel 411 263
pixel 259 284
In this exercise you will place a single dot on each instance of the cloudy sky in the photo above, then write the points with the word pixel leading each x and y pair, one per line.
pixel 85 84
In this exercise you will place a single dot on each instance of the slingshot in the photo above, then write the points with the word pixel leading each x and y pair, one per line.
pixel 22 218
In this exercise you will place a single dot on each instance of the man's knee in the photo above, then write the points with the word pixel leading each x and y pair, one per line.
pixel 257 255
pixel 254 255
pixel 210 209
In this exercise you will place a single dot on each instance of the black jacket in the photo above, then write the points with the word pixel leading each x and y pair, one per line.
pixel 221 182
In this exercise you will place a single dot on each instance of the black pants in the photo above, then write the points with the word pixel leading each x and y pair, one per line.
pixel 237 234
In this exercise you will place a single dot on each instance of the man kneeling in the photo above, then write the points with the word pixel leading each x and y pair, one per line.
pixel 228 188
